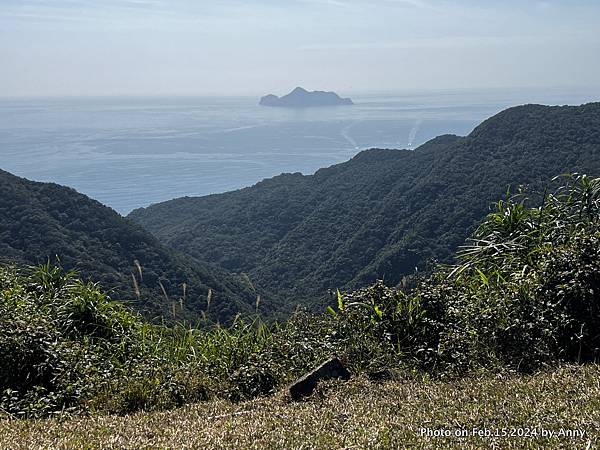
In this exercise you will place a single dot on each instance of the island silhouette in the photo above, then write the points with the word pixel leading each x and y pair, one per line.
pixel 301 98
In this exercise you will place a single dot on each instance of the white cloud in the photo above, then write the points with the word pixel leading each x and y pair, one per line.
pixel 337 3
pixel 415 3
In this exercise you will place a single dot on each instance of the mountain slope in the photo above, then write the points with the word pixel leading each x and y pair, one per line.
pixel 39 221
pixel 381 214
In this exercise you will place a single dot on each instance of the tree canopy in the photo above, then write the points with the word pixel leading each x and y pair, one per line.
pixel 381 215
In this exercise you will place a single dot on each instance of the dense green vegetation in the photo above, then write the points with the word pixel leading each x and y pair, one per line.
pixel 381 214
pixel 524 295
pixel 42 221
pixel 65 346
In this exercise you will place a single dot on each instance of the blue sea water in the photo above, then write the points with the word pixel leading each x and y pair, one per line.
pixel 132 152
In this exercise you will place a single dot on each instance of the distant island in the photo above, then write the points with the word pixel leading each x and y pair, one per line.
pixel 301 98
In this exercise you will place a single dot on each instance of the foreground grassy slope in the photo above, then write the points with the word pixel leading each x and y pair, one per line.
pixel 40 221
pixel 360 414
pixel 523 298
pixel 382 213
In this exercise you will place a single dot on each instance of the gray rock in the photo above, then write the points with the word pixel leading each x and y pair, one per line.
pixel 330 369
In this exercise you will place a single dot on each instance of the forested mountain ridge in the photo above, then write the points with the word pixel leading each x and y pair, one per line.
pixel 382 213
pixel 40 221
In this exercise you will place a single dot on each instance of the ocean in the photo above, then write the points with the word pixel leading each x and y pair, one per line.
pixel 132 152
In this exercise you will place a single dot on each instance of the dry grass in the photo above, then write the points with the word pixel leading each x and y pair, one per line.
pixel 356 415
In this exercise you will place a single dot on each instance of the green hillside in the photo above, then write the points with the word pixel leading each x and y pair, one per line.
pixel 522 298
pixel 41 221
pixel 381 214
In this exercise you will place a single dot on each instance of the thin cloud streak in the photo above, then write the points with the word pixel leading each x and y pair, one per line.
pixel 415 3
pixel 130 11
pixel 337 3
pixel 442 42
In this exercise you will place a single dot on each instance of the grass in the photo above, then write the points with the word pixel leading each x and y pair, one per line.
pixel 359 414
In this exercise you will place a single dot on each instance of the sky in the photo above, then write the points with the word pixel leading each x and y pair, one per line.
pixel 251 47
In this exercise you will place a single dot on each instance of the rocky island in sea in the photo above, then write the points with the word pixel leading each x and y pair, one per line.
pixel 301 98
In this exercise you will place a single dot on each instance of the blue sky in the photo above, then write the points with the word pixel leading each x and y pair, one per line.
pixel 114 47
